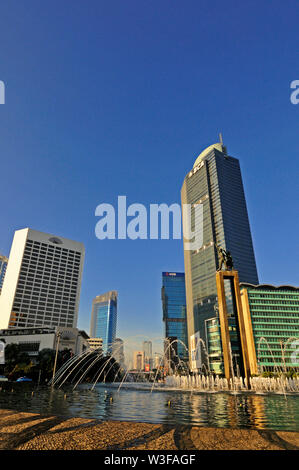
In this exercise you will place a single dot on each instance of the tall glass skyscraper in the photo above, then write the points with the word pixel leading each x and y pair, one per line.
pixel 103 319
pixel 215 181
pixel 148 353
pixel 174 312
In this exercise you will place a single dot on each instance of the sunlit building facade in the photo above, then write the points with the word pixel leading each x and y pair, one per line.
pixel 42 281
pixel 95 344
pixel 274 313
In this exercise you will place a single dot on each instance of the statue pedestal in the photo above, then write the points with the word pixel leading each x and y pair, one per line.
pixel 243 324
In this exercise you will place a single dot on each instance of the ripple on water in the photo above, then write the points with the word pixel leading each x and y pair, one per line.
pixel 135 402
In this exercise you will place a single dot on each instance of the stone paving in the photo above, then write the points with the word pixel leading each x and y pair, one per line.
pixel 22 431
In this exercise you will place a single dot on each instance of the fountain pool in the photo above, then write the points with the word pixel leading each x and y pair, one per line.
pixel 165 404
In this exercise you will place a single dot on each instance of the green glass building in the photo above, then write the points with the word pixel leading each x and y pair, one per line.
pixel 213 335
pixel 274 315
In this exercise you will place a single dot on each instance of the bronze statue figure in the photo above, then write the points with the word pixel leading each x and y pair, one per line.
pixel 224 257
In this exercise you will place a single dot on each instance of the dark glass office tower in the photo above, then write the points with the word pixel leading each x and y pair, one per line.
pixel 103 319
pixel 215 181
pixel 174 313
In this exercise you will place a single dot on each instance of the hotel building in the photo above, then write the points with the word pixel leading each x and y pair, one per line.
pixel 42 281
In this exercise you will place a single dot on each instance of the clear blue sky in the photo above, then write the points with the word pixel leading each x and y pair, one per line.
pixel 108 98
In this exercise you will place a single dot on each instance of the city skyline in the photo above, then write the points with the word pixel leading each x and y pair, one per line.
pixel 133 340
pixel 82 136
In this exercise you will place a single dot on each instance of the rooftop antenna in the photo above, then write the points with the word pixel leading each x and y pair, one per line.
pixel 223 146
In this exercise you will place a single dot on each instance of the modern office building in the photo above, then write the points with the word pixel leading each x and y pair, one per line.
pixel 42 281
pixel 274 313
pixel 3 266
pixel 215 182
pixel 138 360
pixel 33 340
pixel 103 319
pixel 148 355
pixel 118 351
pixel 214 345
pixel 174 315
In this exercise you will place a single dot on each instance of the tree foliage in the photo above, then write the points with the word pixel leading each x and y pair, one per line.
pixel 92 367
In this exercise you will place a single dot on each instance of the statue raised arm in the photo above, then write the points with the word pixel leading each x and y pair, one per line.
pixel 224 257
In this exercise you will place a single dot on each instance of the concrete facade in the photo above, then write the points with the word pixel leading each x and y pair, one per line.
pixel 33 340
pixel 42 281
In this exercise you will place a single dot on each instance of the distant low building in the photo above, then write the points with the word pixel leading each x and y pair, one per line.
pixel 33 340
pixel 95 343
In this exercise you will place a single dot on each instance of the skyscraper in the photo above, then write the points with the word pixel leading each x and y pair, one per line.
pixel 174 314
pixel 103 319
pixel 138 360
pixel 42 281
pixel 215 181
pixel 3 266
pixel 148 354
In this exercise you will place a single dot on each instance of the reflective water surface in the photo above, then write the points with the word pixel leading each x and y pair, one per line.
pixel 136 403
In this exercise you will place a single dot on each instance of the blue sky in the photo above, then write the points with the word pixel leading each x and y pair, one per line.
pixel 118 98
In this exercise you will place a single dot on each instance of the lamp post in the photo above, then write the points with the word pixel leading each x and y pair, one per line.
pixel 58 334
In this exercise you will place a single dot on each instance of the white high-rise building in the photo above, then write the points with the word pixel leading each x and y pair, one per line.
pixel 42 281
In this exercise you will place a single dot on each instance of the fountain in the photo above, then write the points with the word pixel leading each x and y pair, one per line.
pixel 179 378
pixel 84 363
pixel 92 385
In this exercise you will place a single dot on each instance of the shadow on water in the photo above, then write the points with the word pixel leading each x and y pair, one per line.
pixel 221 409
